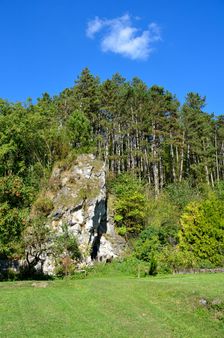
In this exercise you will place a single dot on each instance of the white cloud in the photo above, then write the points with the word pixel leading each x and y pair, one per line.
pixel 94 27
pixel 121 37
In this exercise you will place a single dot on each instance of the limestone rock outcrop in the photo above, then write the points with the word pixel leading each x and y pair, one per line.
pixel 79 200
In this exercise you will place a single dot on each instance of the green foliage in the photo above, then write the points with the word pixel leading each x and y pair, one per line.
pixel 219 190
pixel 66 252
pixel 172 259
pixel 136 130
pixel 202 230
pixel 35 243
pixel 12 223
pixel 182 193
pixel 130 205
pixel 86 93
pixel 147 244
pixel 12 274
pixel 79 130
pixel 125 184
pixel 15 192
pixel 36 234
pixel 162 211
pixel 126 266
pixel 43 205
pixel 153 266
pixel 163 215
pixel 122 230
pixel 66 244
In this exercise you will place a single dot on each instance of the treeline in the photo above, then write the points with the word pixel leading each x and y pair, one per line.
pixel 135 129
pixel 146 131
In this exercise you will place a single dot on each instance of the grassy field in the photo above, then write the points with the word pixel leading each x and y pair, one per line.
pixel 114 307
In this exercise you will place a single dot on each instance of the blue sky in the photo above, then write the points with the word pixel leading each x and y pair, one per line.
pixel 177 44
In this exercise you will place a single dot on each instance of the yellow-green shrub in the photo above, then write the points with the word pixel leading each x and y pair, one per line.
pixel 202 230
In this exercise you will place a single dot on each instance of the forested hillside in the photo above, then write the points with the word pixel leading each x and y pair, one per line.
pixel 167 148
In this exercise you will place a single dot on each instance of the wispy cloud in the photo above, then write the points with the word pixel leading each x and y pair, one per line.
pixel 120 36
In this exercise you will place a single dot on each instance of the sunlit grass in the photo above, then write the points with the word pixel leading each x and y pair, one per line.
pixel 113 307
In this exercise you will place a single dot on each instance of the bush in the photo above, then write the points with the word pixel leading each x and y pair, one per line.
pixel 12 223
pixel 66 251
pixel 43 205
pixel 172 259
pixel 163 215
pixel 128 266
pixel 153 266
pixel 219 190
pixel 181 194
pixel 202 230
pixel 64 266
pixel 147 243
pixel 35 244
pixel 129 205
pixel 14 191
pixel 122 230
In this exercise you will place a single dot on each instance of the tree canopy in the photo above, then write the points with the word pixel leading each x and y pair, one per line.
pixel 147 139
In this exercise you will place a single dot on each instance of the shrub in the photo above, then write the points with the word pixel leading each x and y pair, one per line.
pixel 127 266
pixel 14 191
pixel 129 204
pixel 181 194
pixel 43 205
pixel 35 243
pixel 66 251
pixel 163 215
pixel 12 223
pixel 219 190
pixel 12 274
pixel 146 244
pixel 202 230
pixel 172 259
pixel 122 230
pixel 153 266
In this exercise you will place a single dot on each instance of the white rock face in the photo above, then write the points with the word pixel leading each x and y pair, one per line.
pixel 80 201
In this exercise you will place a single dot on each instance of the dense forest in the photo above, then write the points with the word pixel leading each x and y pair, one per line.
pixel 165 163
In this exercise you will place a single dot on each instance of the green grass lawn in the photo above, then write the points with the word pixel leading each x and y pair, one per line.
pixel 114 307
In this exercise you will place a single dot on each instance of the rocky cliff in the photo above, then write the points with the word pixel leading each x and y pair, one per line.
pixel 79 200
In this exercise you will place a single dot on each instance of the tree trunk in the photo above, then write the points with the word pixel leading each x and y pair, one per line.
pixel 161 174
pixel 182 158
pixel 155 161
pixel 172 159
pixel 216 157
